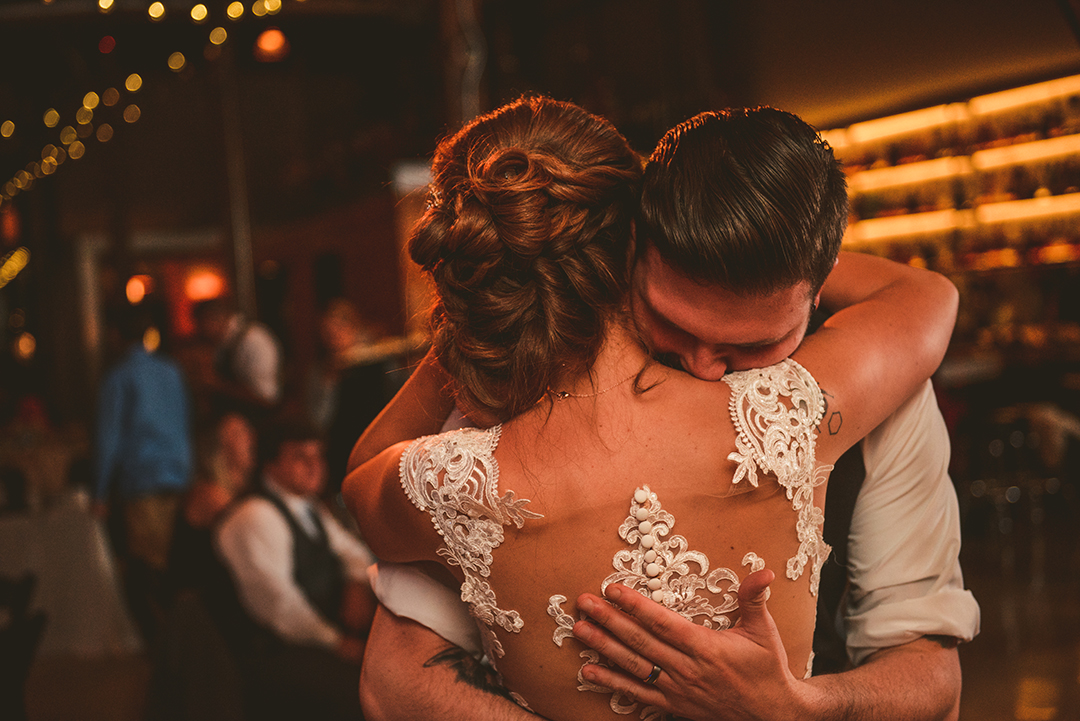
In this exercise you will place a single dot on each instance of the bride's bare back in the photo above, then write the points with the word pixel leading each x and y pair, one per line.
pixel 631 488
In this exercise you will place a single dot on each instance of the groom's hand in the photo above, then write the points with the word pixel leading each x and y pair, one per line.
pixel 741 673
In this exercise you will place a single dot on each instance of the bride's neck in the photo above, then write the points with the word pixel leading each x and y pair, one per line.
pixel 620 358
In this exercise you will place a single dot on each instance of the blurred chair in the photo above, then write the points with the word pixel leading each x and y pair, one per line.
pixel 20 636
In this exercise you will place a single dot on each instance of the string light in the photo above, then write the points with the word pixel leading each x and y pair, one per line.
pixel 13 264
pixel 273 46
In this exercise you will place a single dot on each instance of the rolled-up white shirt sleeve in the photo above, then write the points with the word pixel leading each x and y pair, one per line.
pixel 256 545
pixel 904 545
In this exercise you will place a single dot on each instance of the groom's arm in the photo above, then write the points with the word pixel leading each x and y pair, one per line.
pixel 410 672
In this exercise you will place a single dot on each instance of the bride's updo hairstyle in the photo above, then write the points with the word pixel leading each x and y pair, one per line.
pixel 526 238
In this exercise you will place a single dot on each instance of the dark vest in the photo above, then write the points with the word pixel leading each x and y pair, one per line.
pixel 845 481
pixel 317 571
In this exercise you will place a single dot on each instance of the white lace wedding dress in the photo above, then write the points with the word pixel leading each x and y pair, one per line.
pixel 454 477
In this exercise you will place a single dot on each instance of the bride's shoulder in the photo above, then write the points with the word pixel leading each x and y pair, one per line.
pixel 460 441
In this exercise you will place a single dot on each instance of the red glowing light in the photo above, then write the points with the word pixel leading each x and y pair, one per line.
pixel 271 46
pixel 203 285
pixel 107 44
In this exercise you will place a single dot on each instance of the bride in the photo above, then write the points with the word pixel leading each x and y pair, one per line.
pixel 593 464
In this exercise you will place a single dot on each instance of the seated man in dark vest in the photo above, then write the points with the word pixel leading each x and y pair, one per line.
pixel 301 580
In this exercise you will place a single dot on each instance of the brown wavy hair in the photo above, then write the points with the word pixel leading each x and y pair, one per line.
pixel 526 238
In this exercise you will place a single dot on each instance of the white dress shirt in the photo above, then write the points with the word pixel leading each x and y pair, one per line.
pixel 256 545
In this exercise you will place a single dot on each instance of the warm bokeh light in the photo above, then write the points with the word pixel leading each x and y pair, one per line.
pixel 84 115
pixel 84 131
pixel 151 339
pixel 49 151
pixel 132 113
pixel 218 35
pixel 156 11
pixel 235 10
pixel 258 8
pixel 67 135
pixel 15 261
pixel 199 13
pixel 110 97
pixel 106 45
pixel 25 346
pixel 91 100
pixel 51 118
pixel 49 166
pixel 104 133
pixel 105 5
pixel 76 150
pixel 133 83
pixel 271 46
pixel 273 7
pixel 177 61
pixel 204 285
pixel 7 129
pixel 137 288
pixel 22 180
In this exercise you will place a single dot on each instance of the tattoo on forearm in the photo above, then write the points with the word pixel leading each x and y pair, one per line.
pixel 468 670
pixel 830 421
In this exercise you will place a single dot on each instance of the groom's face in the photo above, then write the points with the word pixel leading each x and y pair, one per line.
pixel 708 330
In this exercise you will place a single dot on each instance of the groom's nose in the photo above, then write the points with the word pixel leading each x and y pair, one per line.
pixel 704 362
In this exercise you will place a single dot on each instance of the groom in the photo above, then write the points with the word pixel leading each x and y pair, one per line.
pixel 717 273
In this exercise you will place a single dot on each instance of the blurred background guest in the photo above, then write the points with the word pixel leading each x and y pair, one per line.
pixel 247 369
pixel 143 462
pixel 226 466
pixel 301 583
pixel 353 383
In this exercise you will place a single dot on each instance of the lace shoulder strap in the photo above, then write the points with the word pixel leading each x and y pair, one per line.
pixel 776 411
pixel 455 478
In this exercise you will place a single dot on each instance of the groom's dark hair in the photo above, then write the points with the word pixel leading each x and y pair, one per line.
pixel 751 199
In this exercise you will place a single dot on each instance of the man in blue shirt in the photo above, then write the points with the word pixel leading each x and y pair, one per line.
pixel 143 461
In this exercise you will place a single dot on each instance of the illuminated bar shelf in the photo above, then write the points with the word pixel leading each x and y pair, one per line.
pixel 910 174
pixel 908 226
pixel 1029 209
pixel 1019 142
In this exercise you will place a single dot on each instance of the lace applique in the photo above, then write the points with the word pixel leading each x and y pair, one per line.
pixel 775 438
pixel 454 477
pixel 659 568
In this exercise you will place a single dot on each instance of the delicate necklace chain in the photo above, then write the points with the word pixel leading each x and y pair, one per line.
pixel 563 395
